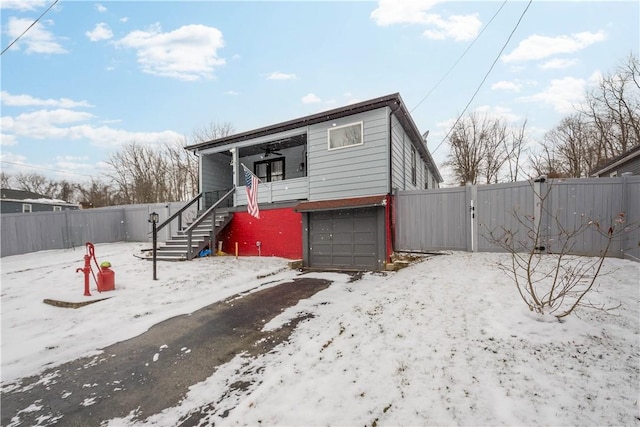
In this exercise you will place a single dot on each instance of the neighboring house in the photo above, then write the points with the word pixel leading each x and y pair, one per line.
pixel 327 183
pixel 626 163
pixel 16 201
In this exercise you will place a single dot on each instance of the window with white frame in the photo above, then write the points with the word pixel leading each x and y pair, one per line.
pixel 57 208
pixel 26 207
pixel 345 136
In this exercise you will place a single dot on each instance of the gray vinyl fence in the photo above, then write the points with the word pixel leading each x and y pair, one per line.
pixel 36 231
pixel 471 218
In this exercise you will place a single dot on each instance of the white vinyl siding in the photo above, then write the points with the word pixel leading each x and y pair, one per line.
pixel 401 164
pixel 356 171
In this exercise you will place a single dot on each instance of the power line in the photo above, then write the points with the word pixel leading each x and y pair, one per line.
pixel 43 168
pixel 460 57
pixel 485 76
pixel 29 27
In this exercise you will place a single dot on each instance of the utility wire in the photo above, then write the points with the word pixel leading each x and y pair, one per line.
pixel 460 57
pixel 29 27
pixel 43 168
pixel 485 77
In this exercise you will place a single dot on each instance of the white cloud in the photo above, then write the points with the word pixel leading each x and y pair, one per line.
pixel 310 99
pixel 7 140
pixel 66 125
pixel 498 112
pixel 29 101
pixel 23 5
pixel 457 27
pixel 539 47
pixel 100 8
pixel 558 64
pixel 391 12
pixel 37 39
pixel 124 19
pixel 232 93
pixel 100 32
pixel 562 94
pixel 188 53
pixel 512 86
pixel 281 76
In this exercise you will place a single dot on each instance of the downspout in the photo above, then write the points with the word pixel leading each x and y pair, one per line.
pixel 390 226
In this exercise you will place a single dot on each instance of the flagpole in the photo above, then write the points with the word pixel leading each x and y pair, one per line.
pixel 249 170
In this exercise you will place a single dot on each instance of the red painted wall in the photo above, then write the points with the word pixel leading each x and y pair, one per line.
pixel 279 231
pixel 389 212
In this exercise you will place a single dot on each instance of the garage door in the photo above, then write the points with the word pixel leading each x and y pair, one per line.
pixel 344 239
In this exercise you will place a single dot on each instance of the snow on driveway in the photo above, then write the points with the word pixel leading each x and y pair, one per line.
pixel 446 341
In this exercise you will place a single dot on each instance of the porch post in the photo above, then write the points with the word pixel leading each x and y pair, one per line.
pixel 235 166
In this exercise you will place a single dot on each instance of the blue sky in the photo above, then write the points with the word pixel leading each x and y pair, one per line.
pixel 92 76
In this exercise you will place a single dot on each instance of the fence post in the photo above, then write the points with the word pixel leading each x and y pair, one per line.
pixel 540 227
pixel 472 229
pixel 624 242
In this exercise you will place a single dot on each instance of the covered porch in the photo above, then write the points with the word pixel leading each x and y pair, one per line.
pixel 280 161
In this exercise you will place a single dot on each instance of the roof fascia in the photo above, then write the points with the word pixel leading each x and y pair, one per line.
pixel 347 110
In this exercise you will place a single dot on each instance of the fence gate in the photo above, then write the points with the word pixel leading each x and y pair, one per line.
pixel 463 218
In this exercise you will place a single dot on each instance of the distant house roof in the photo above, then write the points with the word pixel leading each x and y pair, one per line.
pixel 8 194
pixel 617 161
pixel 393 101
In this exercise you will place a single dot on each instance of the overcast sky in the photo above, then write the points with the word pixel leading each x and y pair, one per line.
pixel 92 76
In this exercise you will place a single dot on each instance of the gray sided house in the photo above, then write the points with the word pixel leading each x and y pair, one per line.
pixel 17 201
pixel 327 183
pixel 627 163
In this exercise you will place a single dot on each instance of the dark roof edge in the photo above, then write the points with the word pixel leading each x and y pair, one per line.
pixel 627 155
pixel 347 110
pixel 393 101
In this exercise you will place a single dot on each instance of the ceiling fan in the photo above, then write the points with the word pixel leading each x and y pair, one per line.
pixel 269 151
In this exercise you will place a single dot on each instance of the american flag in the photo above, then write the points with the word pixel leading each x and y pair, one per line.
pixel 251 181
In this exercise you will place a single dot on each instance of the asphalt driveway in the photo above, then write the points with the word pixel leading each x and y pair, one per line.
pixel 154 371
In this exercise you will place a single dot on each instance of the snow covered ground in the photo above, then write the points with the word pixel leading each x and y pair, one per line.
pixel 446 341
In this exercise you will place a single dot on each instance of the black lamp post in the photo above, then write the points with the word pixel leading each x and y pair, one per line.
pixel 153 219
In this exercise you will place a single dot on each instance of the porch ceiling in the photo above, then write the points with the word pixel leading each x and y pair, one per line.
pixel 275 145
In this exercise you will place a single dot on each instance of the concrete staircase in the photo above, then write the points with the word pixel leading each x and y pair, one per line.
pixel 176 248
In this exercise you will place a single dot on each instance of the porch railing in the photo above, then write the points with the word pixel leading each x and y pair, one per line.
pixel 179 213
pixel 209 213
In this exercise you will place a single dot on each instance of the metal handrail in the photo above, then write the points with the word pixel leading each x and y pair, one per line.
pixel 178 214
pixel 209 212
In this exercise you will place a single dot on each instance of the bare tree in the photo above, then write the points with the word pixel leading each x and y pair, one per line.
pixel 5 180
pixel 569 142
pixel 182 172
pixel 514 147
pixel 481 146
pixel 212 130
pixel 613 107
pixel 33 182
pixel 98 194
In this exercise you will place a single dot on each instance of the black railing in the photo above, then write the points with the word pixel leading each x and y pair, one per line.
pixel 210 197
pixel 179 213
pixel 211 212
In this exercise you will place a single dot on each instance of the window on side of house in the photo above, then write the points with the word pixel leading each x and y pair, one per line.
pixel 613 174
pixel 414 170
pixel 345 136
pixel 26 207
pixel 426 177
pixel 57 208
pixel 270 170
